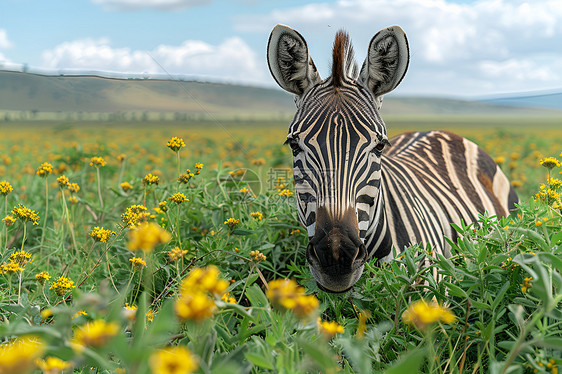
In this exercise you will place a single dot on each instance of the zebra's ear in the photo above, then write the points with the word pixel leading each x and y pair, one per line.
pixel 386 62
pixel 289 61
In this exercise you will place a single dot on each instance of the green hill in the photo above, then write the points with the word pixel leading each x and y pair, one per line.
pixel 31 96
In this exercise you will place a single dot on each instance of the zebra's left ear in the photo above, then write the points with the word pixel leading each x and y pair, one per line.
pixel 386 62
pixel 289 61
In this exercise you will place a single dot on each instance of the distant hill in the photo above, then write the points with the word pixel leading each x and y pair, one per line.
pixel 551 100
pixel 32 93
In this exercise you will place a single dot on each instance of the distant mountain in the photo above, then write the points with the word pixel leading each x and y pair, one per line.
pixel 60 95
pixel 552 100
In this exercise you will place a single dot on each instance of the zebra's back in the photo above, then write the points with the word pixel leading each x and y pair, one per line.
pixel 433 178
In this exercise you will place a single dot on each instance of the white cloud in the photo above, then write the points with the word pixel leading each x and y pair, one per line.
pixel 476 43
pixel 232 60
pixel 4 41
pixel 163 5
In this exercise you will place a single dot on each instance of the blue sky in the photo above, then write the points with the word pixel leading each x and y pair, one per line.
pixel 458 48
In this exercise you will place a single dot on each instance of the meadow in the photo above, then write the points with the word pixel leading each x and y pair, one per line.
pixel 174 248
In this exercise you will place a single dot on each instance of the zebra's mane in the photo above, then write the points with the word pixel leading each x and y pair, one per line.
pixel 344 66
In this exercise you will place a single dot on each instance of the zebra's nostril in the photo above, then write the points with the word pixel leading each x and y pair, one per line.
pixel 310 249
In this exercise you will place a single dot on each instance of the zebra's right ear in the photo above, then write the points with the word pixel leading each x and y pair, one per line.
pixel 289 61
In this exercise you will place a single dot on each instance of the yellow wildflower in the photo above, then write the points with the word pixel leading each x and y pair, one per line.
pixel 499 160
pixel 421 314
pixel 258 162
pixel 46 313
pixel 231 223
pixel 138 262
pixel 99 234
pixel 176 253
pixel 526 284
pixel 121 157
pixel 294 232
pixel 195 306
pixel 550 162
pixel 538 223
pixel 61 285
pixel 19 355
pixel 258 216
pixel 126 186
pixel 245 190
pixel 329 329
pixel 10 268
pixel 5 188
pixel 257 256
pixel 97 161
pixel 44 169
pixel 80 313
pixel 74 187
pixel 184 178
pixel 130 311
pixel 73 199
pixel 53 365
pixel 42 277
pixel 25 214
pixel 146 236
pixel 150 179
pixel 285 192
pixel 228 299
pixel 9 220
pixel 288 294
pixel 175 144
pixel 150 314
pixel 94 334
pixel 178 198
pixel 20 257
pixel 63 181
pixel 134 215
pixel 198 166
pixel 204 280
pixel 173 360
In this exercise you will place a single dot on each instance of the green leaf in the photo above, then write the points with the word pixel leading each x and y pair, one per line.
pixel 409 363
pixel 550 342
pixel 259 360
pixel 455 290
pixel 256 296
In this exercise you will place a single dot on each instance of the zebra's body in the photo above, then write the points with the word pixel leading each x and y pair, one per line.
pixel 357 197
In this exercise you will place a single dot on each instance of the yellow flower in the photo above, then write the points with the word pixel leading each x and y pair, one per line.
pixel 526 284
pixel 99 234
pixel 228 299
pixel 5 188
pixel 176 253
pixel 257 256
pixel 550 162
pixel 329 329
pixel 231 223
pixel 46 313
pixel 80 313
pixel 175 144
pixel 555 183
pixel 44 169
pixel 286 293
pixel 73 199
pixel 138 262
pixel 294 232
pixel 258 162
pixel 25 214
pixel 285 192
pixel 126 186
pixel 74 187
pixel 130 311
pixel 63 181
pixel 194 302
pixel 150 314
pixel 150 179
pixel 61 285
pixel 146 236
pixel 499 160
pixel 53 365
pixel 198 166
pixel 178 198
pixel 97 161
pixel 184 178
pixel 134 216
pixel 20 257
pixel 173 360
pixel 121 157
pixel 9 220
pixel 42 277
pixel 516 183
pixel 162 206
pixel 258 216
pixel 421 314
pixel 245 190
pixel 94 334
pixel 10 268
pixel 19 356
pixel 538 223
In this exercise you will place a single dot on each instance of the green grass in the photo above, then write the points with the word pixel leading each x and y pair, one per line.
pixel 501 327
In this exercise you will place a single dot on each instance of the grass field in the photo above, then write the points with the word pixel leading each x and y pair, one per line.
pixel 131 271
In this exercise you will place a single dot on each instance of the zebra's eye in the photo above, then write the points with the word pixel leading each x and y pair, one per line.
pixel 294 144
pixel 379 148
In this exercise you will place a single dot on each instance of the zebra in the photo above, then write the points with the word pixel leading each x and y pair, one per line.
pixel 358 193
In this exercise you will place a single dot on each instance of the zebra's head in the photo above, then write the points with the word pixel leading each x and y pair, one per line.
pixel 337 138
